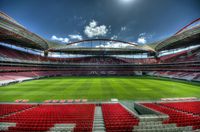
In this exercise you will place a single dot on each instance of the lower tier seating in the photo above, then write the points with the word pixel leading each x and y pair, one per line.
pixel 117 118
pixel 52 117
pixel 11 108
pixel 77 117
pixel 81 118
pixel 189 107
pixel 176 116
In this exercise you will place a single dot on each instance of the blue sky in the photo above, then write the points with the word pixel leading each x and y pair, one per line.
pixel 140 21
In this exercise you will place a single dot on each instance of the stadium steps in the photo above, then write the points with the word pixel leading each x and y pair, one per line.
pixel 129 105
pixel 62 128
pixel 154 122
pixel 5 125
pixel 158 126
pixel 98 124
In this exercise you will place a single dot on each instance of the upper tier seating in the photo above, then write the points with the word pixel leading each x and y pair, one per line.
pixel 140 61
pixel 17 71
pixel 184 56
pixel 11 53
pixel 175 116
pixel 7 53
pixel 117 118
pixel 99 60
pixel 53 117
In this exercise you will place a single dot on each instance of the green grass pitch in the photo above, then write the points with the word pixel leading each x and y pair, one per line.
pixel 99 88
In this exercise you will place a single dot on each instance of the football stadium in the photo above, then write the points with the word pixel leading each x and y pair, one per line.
pixel 101 78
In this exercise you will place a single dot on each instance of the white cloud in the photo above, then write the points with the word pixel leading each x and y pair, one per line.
pixel 76 37
pixel 93 30
pixel 142 34
pixel 142 40
pixel 63 40
pixel 114 37
pixel 66 40
pixel 114 45
pixel 93 23
pixel 144 37
pixel 123 28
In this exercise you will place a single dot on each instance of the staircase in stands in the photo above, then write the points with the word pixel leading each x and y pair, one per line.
pixel 98 124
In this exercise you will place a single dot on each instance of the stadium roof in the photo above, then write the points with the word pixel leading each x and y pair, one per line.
pixel 101 46
pixel 13 33
pixel 183 38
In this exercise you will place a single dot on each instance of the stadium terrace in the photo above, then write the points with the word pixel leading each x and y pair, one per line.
pixel 98 84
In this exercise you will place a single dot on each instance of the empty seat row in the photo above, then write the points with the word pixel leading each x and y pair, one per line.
pixel 190 107
pixel 45 117
pixel 117 118
pixel 180 118
pixel 6 109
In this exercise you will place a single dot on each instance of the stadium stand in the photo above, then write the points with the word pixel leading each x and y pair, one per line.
pixel 189 107
pixel 117 119
pixel 177 116
pixel 6 109
pixel 7 53
pixel 109 117
pixel 195 76
pixel 77 117
pixel 184 56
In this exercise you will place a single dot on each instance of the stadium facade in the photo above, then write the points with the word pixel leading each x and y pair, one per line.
pixel 94 57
